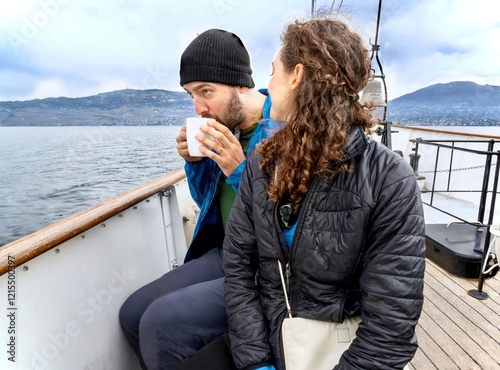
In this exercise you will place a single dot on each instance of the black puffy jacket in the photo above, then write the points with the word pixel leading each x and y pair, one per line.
pixel 371 217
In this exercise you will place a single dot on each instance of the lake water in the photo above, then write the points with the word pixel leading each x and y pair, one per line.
pixel 49 173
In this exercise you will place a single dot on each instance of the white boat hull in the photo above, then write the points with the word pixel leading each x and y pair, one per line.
pixel 65 302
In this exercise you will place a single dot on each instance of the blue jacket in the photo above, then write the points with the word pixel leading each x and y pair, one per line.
pixel 203 178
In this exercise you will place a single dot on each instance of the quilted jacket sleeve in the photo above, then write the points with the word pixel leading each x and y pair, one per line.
pixel 247 328
pixel 392 273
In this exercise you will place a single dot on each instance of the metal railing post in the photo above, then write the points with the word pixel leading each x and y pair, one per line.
pixel 478 293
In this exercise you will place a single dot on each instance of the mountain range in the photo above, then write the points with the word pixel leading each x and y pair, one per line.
pixel 454 103
pixel 117 108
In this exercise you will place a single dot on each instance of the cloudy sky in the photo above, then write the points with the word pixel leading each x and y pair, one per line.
pixel 73 48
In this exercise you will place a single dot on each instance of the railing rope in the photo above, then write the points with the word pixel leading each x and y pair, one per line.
pixel 456 169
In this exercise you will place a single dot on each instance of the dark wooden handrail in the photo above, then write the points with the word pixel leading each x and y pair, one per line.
pixel 454 132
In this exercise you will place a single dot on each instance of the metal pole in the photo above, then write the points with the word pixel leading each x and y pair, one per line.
pixel 486 180
pixel 375 49
pixel 478 293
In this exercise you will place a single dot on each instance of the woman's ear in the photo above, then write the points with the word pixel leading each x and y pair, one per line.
pixel 297 75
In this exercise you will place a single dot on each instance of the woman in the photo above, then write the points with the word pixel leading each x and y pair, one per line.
pixel 340 211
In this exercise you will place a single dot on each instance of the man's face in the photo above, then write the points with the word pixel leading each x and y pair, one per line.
pixel 217 101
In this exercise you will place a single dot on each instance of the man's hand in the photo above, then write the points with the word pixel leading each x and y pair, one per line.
pixel 182 146
pixel 228 151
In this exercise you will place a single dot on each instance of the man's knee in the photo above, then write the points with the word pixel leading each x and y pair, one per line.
pixel 126 314
pixel 171 310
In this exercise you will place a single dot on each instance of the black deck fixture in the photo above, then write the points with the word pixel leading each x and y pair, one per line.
pixel 456 247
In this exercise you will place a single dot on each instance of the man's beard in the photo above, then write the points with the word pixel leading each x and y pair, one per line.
pixel 232 114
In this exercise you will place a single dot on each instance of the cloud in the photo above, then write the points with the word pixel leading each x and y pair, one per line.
pixel 77 47
pixel 439 41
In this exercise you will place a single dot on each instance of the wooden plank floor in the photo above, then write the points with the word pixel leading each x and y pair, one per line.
pixel 455 330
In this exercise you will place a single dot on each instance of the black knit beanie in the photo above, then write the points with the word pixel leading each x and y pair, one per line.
pixel 216 56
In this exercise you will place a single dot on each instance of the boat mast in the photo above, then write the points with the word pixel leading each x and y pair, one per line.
pixel 373 90
pixel 375 49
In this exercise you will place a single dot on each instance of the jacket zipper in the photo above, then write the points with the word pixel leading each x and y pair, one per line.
pixel 282 248
pixel 287 254
pixel 300 220
pixel 288 273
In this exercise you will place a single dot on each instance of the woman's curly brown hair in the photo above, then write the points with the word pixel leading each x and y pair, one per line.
pixel 324 107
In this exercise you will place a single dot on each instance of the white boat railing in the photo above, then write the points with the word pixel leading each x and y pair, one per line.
pixel 458 173
pixel 455 161
pixel 31 246
pixel 64 285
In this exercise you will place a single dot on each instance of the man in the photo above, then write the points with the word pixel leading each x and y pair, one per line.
pixel 171 318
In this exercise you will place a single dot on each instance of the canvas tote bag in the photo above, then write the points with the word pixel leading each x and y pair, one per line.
pixel 311 344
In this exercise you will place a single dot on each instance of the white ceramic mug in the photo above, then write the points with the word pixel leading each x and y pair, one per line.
pixel 192 128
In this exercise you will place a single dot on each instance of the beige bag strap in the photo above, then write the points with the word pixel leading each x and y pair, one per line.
pixel 289 309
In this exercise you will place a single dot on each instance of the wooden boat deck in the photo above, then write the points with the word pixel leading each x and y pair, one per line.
pixel 455 330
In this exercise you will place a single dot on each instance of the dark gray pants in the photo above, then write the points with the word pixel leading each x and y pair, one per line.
pixel 172 317
pixel 214 356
